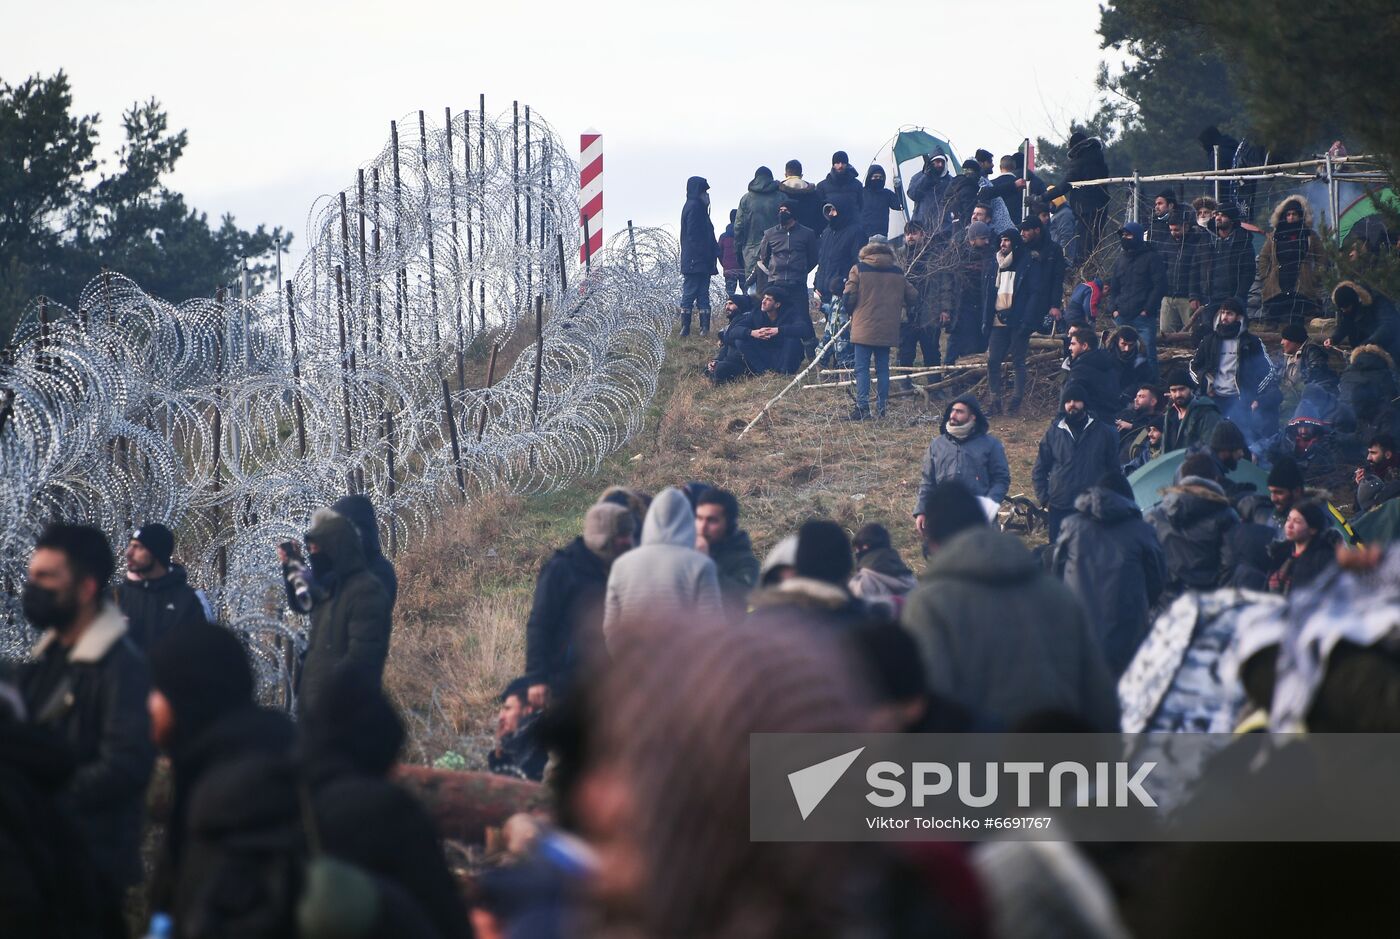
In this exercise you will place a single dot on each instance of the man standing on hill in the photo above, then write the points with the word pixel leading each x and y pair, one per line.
pixel 565 628
pixel 156 597
pixel 1075 453
pixel 758 212
pixel 698 254
pixel 966 452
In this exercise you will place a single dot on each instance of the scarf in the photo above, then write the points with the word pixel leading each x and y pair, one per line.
pixel 1229 332
pixel 960 432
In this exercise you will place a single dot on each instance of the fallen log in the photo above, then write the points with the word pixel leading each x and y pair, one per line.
pixel 465 804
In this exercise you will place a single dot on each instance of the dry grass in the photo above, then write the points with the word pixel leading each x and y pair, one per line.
pixel 466 588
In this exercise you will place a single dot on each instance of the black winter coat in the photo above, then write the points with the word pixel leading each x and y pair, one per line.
pixel 1040 281
pixel 1317 558
pixel 1192 522
pixel 49 885
pixel 844 191
pixel 350 622
pixel 967 282
pixel 1068 463
pixel 360 511
pixel 1179 258
pixel 1086 161
pixel 877 202
pixel 930 196
pixel 1098 371
pixel 1113 562
pixel 1375 322
pixel 1225 269
pixel 770 355
pixel 961 198
pixel 154 607
pixel 1138 283
pixel 98 707
pixel 1134 371
pixel 565 627
pixel 837 252
pixel 697 231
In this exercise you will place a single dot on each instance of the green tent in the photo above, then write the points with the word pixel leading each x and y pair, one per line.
pixel 1366 206
pixel 1149 480
pixel 918 143
pixel 1379 526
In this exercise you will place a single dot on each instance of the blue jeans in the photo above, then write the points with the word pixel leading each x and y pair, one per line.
pixel 1146 327
pixel 882 376
pixel 695 288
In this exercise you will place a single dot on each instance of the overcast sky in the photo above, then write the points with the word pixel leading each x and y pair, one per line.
pixel 284 100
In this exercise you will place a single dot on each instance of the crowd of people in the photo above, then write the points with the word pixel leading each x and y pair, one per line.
pixel 658 640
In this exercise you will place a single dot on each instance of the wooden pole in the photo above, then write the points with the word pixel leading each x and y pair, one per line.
pixel 486 399
pixel 297 407
pixel 452 434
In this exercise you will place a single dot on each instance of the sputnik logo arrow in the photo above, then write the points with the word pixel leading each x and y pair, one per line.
pixel 810 785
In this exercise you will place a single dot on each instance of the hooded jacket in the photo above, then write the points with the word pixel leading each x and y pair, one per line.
pixel 1098 370
pixel 1374 322
pixel 1003 638
pixel 877 295
pixel 565 627
pixel 806 601
pixel 789 254
pixel 1320 411
pixel 1134 370
pixel 360 511
pixel 961 196
pixel 882 577
pixel 843 190
pixel 1113 562
pixel 1368 385
pixel 978 461
pixel 929 193
pixel 1086 162
pixel 1192 430
pixel 1297 250
pixel 1225 268
pixel 1308 366
pixel 1067 463
pixel 663 583
pixel 1138 282
pixel 877 202
pixel 1192 522
pixel 727 252
pixel 837 250
pixel 758 212
pixel 1254 377
pixel 98 708
pixel 805 201
pixel 697 231
pixel 350 626
pixel 153 607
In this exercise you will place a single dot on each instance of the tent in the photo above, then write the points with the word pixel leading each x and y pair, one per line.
pixel 1365 207
pixel 905 153
pixel 1149 480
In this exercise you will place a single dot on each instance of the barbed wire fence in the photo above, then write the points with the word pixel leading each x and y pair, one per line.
pixel 233 419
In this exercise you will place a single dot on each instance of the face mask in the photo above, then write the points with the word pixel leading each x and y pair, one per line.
pixel 44 610
pixel 784 216
pixel 322 565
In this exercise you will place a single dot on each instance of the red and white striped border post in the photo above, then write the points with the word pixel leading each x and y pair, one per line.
pixel 590 182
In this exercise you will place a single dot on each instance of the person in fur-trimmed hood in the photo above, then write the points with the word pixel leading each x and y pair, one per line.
pixel 877 295
pixel 818 592
pixel 1368 385
pixel 1192 522
pixel 1291 263
pixel 1364 317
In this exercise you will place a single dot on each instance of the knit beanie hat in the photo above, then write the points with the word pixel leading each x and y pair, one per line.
pixel 1030 221
pixel 1227 437
pixel 979 230
pixel 1286 474
pixel 1117 482
pixel 1179 377
pixel 839 157
pixel 604 522
pixel 157 539
pixel 1294 332
pixel 1075 391
pixel 203 671
pixel 824 552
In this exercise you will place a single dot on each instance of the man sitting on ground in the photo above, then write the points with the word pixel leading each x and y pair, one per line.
pixel 765 340
pixel 517 752
pixel 1190 418
pixel 1378 480
pixel 881 575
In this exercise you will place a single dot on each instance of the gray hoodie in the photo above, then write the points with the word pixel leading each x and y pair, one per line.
pixel 665 580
